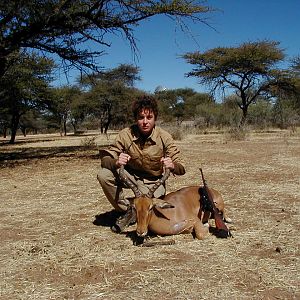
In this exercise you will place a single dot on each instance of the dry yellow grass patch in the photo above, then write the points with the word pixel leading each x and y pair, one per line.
pixel 51 248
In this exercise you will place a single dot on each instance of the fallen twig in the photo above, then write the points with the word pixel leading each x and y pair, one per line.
pixel 157 243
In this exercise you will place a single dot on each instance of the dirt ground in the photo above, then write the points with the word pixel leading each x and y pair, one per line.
pixel 56 241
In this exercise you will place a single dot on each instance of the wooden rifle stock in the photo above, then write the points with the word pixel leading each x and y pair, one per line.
pixel 223 231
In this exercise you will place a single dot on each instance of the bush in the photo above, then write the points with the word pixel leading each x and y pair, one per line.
pixel 177 134
pixel 79 132
pixel 88 142
pixel 236 134
pixel 174 129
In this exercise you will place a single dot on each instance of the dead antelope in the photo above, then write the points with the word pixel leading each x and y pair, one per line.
pixel 182 211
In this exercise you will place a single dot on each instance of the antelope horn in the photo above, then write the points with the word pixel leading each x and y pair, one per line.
pixel 159 183
pixel 129 182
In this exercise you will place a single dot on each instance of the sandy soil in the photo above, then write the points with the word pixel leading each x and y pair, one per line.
pixel 56 241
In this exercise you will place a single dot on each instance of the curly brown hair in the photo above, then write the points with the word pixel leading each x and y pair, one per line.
pixel 147 103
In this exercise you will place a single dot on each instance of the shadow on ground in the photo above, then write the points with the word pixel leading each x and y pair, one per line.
pixel 107 219
pixel 10 156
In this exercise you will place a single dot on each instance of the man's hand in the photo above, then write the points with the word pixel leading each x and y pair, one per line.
pixel 168 163
pixel 122 160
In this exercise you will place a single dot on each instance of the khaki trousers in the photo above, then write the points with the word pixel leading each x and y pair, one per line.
pixel 113 187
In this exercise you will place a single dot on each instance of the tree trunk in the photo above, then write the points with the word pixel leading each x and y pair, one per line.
pixel 23 129
pixel 2 66
pixel 74 124
pixel 65 127
pixel 5 132
pixel 243 119
pixel 101 125
pixel 14 127
pixel 281 118
pixel 106 126
pixel 244 108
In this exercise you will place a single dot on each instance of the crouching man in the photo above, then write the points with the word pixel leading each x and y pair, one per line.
pixel 144 150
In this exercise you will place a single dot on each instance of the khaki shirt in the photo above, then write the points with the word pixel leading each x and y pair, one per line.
pixel 146 155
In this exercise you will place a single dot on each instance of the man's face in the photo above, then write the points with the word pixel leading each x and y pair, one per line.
pixel 146 121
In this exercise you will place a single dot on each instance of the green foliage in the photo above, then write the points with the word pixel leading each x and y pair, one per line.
pixel 207 114
pixel 295 94
pixel 110 95
pixel 25 87
pixel 286 112
pixel 231 64
pixel 260 113
pixel 32 121
pixel 195 102
pixel 66 106
pixel 177 104
pixel 250 70
pixel 125 74
pixel 63 27
pixel 296 65
pixel 230 114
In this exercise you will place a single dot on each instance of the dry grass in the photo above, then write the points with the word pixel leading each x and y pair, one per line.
pixel 51 248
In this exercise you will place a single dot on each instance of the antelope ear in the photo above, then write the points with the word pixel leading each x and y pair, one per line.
pixel 162 203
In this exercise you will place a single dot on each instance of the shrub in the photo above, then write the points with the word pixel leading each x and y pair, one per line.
pixel 88 142
pixel 177 134
pixel 236 134
pixel 174 129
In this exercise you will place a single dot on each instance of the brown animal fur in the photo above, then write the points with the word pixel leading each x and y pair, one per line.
pixel 179 212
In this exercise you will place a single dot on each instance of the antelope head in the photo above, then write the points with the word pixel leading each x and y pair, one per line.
pixel 144 204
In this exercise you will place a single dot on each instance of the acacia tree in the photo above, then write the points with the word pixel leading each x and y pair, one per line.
pixel 32 120
pixel 63 27
pixel 79 110
pixel 296 65
pixel 200 105
pixel 286 110
pixel 296 70
pixel 4 121
pixel 109 103
pixel 62 101
pixel 250 70
pixel 110 93
pixel 172 103
pixel 24 87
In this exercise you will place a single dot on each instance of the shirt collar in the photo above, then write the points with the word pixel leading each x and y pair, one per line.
pixel 136 134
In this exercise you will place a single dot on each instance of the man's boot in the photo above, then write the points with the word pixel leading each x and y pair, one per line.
pixel 127 219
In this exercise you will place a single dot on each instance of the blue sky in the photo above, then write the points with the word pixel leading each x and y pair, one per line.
pixel 161 41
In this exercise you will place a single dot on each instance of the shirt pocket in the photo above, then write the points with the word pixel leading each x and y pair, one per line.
pixel 153 163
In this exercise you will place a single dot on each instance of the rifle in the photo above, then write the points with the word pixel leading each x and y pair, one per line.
pixel 223 231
